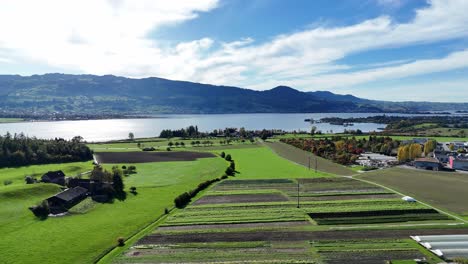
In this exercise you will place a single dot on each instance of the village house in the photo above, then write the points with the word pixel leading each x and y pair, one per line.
pixel 57 177
pixel 458 163
pixel 61 202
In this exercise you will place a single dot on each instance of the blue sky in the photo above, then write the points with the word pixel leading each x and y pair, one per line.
pixel 395 50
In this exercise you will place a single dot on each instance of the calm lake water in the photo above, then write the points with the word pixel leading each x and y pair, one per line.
pixel 111 129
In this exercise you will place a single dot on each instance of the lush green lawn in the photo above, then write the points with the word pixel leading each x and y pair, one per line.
pixel 81 238
pixel 16 175
pixel 263 163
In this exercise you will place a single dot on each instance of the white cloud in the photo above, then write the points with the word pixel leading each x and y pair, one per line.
pixel 112 37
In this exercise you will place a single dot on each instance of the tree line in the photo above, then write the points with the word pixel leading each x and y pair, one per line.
pixel 20 150
pixel 344 150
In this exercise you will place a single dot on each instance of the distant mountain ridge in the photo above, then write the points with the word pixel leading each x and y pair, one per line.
pixel 66 93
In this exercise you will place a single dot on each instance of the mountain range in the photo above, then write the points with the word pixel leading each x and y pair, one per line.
pixel 108 94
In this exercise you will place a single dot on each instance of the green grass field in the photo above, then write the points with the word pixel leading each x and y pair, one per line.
pixel 16 175
pixel 11 120
pixel 263 163
pixel 302 157
pixel 82 237
pixel 447 190
pixel 162 144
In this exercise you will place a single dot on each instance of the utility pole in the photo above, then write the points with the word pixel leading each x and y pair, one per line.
pixel 298 193
pixel 315 164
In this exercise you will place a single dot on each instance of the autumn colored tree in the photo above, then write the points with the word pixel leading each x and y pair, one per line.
pixel 429 146
pixel 415 151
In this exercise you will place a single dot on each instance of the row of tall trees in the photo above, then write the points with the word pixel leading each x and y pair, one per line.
pixel 20 150
pixel 413 151
pixel 191 131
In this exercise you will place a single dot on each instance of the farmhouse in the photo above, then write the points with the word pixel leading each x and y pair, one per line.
pixel 458 163
pixel 75 182
pixel 65 200
pixel 428 164
pixel 57 177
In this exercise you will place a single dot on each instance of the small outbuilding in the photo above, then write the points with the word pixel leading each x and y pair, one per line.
pixel 57 177
pixel 408 199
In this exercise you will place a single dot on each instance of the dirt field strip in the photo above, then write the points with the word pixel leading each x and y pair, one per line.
pixel 240 198
pixel 142 157
pixel 423 203
pixel 160 238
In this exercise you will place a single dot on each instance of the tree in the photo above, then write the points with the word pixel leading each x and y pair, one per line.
pixel 223 155
pixel 117 183
pixel 429 146
pixel 131 136
pixel 313 129
pixel 233 165
pixel 415 151
pixel 403 153
pixel 170 144
pixel 41 211
pixel 182 144
pixel 230 171
pixel 462 133
pixel 228 157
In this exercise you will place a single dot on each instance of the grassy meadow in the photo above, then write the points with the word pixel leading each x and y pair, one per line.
pixel 263 163
pixel 82 236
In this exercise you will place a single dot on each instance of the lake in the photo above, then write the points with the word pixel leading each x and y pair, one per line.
pixel 111 129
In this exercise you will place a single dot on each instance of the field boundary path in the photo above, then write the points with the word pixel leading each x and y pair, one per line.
pixel 421 202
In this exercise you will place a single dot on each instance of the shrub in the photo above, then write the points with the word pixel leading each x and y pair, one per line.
pixel 166 211
pixel 228 157
pixel 224 177
pixel 7 182
pixel 233 166
pixel 133 190
pixel 29 180
pixel 120 241
pixel 41 210
pixel 182 200
pixel 168 149
pixel 230 171
pixel 223 155
pixel 124 167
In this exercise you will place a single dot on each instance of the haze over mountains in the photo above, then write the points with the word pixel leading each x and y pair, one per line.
pixel 91 94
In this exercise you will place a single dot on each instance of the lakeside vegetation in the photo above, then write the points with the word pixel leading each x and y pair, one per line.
pixel 20 150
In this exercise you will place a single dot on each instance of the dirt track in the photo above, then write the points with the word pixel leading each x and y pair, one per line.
pixel 291 235
pixel 143 157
